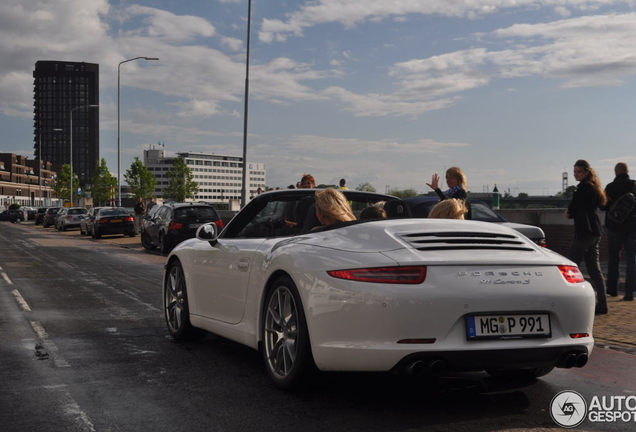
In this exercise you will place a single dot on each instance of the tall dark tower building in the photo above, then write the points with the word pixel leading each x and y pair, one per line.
pixel 59 87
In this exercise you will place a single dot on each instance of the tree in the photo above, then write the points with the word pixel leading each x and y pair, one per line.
pixel 141 181
pixel 365 187
pixel 522 195
pixel 102 183
pixel 63 182
pixel 180 183
pixel 568 192
pixel 404 193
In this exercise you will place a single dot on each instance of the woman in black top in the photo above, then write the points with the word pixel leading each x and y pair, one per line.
pixel 589 195
pixel 456 181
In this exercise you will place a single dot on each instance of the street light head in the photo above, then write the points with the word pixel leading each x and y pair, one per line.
pixel 151 58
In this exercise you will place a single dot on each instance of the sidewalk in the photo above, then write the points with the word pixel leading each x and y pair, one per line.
pixel 617 329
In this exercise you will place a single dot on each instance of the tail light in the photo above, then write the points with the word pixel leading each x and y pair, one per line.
pixel 69 217
pixel 102 220
pixel 129 219
pixel 175 226
pixel 542 243
pixel 579 335
pixel 572 274
pixel 219 223
pixel 390 275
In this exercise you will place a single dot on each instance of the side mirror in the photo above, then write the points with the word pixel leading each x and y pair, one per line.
pixel 208 232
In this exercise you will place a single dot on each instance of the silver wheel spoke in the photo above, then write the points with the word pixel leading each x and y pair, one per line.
pixel 281 332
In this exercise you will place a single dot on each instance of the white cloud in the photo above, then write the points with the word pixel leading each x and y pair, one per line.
pixel 231 43
pixel 352 12
pixel 170 27
pixel 563 11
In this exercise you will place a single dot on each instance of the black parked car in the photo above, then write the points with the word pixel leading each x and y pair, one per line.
pixel 50 216
pixel 39 215
pixel 168 225
pixel 12 216
pixel 112 220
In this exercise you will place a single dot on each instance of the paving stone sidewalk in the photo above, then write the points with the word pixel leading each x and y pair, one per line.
pixel 617 329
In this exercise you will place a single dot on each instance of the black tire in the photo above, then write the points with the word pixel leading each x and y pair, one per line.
pixel 81 230
pixel 520 374
pixel 145 241
pixel 18 220
pixel 286 346
pixel 62 227
pixel 132 234
pixel 175 306
pixel 96 233
pixel 45 225
pixel 164 247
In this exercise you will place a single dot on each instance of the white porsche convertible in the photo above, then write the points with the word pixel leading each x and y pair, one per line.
pixel 419 296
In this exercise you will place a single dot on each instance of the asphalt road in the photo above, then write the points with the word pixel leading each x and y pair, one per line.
pixel 83 346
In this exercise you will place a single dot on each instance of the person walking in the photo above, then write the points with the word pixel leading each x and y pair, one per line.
pixel 587 198
pixel 621 235
pixel 140 210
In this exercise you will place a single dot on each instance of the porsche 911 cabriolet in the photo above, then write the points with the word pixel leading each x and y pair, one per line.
pixel 399 294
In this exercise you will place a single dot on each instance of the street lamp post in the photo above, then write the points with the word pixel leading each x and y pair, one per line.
pixel 40 160
pixel 71 147
pixel 118 123
pixel 245 189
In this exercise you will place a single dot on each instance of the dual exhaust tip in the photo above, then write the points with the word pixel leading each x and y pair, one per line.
pixel 426 368
pixel 570 360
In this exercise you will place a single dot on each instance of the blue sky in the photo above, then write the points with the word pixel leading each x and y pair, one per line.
pixel 385 92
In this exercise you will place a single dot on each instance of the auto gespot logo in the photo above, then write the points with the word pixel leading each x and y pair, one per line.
pixel 569 409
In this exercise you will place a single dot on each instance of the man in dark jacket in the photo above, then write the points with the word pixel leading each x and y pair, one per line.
pixel 621 235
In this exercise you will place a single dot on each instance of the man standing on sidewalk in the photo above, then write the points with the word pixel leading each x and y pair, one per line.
pixel 622 235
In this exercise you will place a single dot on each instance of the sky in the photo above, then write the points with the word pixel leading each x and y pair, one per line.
pixel 384 92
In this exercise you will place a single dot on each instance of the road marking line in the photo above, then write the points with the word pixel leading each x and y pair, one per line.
pixel 49 345
pixel 6 278
pixel 21 300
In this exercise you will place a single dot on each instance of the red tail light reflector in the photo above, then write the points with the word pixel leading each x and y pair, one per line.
pixel 390 275
pixel 102 220
pixel 129 219
pixel 579 335
pixel 175 226
pixel 571 274
pixel 219 223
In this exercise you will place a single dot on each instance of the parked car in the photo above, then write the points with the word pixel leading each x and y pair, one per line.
pixel 39 215
pixel 421 206
pixel 407 295
pixel 49 216
pixel 86 224
pixel 168 225
pixel 70 218
pixel 30 211
pixel 112 220
pixel 13 216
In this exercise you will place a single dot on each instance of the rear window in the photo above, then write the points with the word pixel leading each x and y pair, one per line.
pixel 77 211
pixel 54 211
pixel 113 212
pixel 195 213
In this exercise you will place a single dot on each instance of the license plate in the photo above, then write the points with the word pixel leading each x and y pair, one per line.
pixel 508 326
pixel 194 225
pixel 115 221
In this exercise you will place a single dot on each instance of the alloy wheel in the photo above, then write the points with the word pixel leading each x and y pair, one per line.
pixel 174 299
pixel 281 332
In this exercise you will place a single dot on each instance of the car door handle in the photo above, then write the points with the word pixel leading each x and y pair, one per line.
pixel 244 264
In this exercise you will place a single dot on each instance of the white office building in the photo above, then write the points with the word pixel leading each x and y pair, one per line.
pixel 219 177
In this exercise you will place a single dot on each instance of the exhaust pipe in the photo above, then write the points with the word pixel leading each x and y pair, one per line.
pixel 436 367
pixel 417 368
pixel 581 360
pixel 568 361
pixel 430 368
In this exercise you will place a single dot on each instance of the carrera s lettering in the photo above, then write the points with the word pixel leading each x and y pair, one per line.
pixel 504 282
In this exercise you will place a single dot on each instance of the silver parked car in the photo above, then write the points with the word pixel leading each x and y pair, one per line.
pixel 70 218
